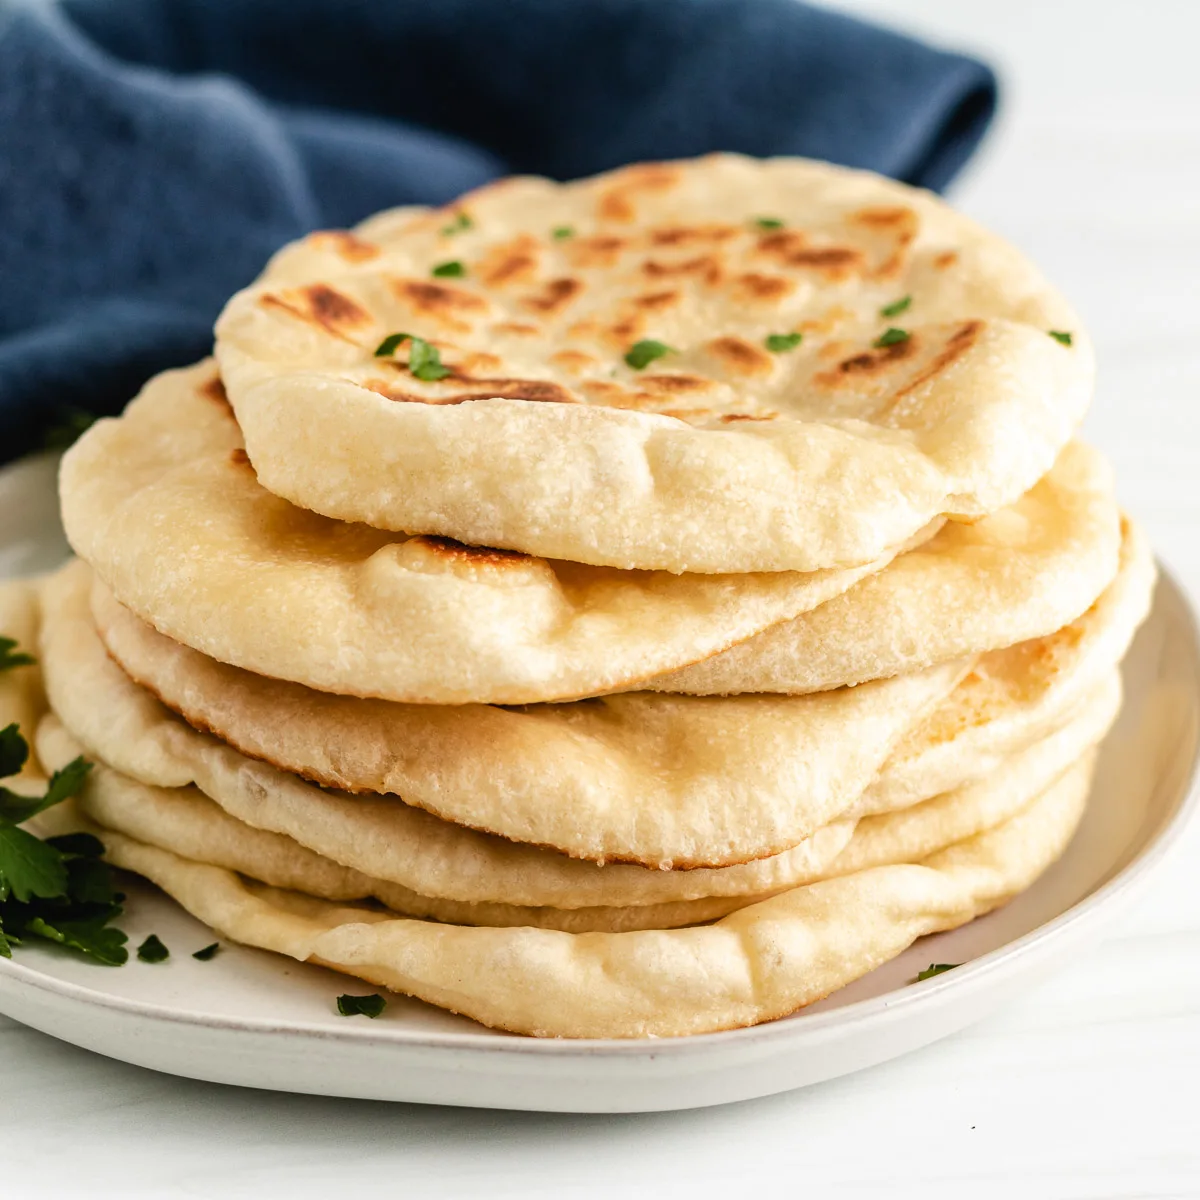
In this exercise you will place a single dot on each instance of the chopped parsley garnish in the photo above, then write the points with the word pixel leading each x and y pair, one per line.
pixel 424 360
pixel 1060 335
pixel 768 223
pixel 208 953
pixel 896 307
pixel 361 1006
pixel 450 270
pixel 935 969
pixel 559 232
pixel 461 221
pixel 780 343
pixel 891 337
pixel 390 344
pixel 153 951
pixel 641 354
pixel 57 889
pixel 10 656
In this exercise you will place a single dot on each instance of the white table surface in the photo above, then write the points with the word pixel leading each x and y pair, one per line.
pixel 1090 1085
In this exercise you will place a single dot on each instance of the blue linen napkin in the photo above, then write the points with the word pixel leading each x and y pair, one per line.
pixel 153 153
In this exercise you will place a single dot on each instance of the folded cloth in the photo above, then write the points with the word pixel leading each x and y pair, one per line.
pixel 152 155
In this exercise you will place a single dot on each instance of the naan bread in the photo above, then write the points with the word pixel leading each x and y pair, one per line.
pixel 173 521
pixel 658 780
pixel 164 505
pixel 722 456
pixel 1018 574
pixel 603 756
pixel 762 962
pixel 186 822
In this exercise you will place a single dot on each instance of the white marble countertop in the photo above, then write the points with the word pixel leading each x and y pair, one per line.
pixel 1090 1085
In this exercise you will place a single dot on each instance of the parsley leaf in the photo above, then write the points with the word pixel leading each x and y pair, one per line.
pixel 92 936
pixel 11 657
pixel 768 222
pixel 461 221
pixel 28 867
pixel 896 307
pixel 450 270
pixel 388 346
pixel 425 361
pixel 64 784
pixel 14 750
pixel 641 354
pixel 891 337
pixel 152 950
pixel 559 232
pixel 208 953
pixel 935 969
pixel 361 1006
pixel 1060 336
pixel 780 343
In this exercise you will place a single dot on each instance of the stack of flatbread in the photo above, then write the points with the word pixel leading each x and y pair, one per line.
pixel 634 607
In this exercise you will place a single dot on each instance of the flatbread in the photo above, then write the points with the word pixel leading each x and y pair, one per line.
pixel 385 839
pixel 762 962
pixel 722 456
pixel 1019 574
pixel 457 761
pixel 164 505
pixel 658 780
pixel 176 526
pixel 188 823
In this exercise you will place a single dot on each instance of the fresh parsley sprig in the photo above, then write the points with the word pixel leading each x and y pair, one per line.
pixel 11 657
pixel 57 889
pixel 424 360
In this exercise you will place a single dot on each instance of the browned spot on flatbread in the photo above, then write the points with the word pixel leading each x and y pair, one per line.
pixel 516 329
pixel 782 242
pixel 440 302
pixel 554 296
pixel 729 418
pixel 618 202
pixel 683 235
pixel 624 331
pixel 514 261
pixel 888 219
pixel 838 262
pixel 946 259
pixel 740 356
pixel 708 266
pixel 756 287
pixel 349 245
pixel 575 361
pixel 657 301
pixel 871 362
pixel 321 305
pixel 446 547
pixel 214 390
pixel 333 310
pixel 959 342
pixel 603 250
pixel 676 384
pixel 539 390
pixel 239 457
pixel 827 322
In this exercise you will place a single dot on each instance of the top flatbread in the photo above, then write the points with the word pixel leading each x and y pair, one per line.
pixel 164 507
pixel 722 456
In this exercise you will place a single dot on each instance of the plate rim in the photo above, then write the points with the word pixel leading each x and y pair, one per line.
pixel 970 977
